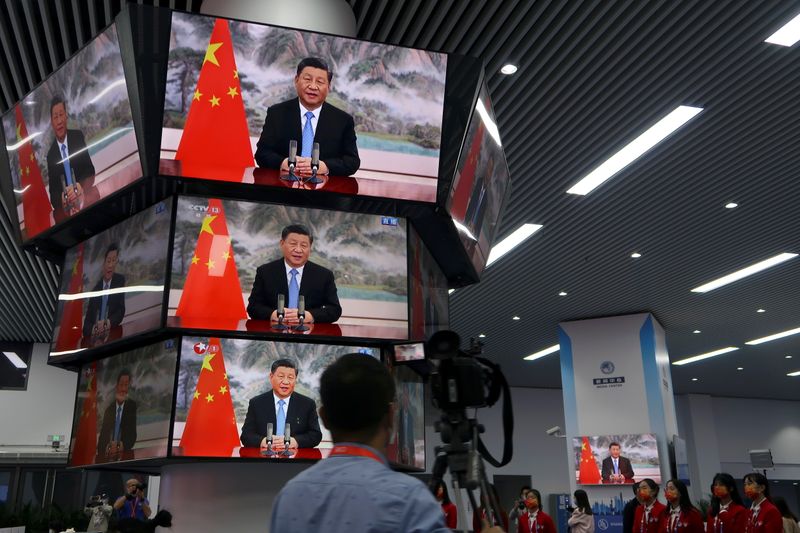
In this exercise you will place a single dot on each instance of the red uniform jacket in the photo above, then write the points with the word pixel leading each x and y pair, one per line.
pixel 768 519
pixel 687 522
pixel 732 520
pixel 543 524
pixel 654 518
pixel 450 514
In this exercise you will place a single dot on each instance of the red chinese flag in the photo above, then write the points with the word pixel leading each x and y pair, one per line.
pixel 69 331
pixel 35 201
pixel 210 429
pixel 216 126
pixel 466 178
pixel 588 474
pixel 212 288
pixel 84 448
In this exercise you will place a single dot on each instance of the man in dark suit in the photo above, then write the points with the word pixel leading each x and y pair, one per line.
pixel 118 429
pixel 104 312
pixel 616 469
pixel 69 168
pixel 279 407
pixel 308 119
pixel 294 276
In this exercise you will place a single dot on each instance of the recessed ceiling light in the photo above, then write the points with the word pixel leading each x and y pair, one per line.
pixel 516 238
pixel 633 150
pixel 794 374
pixel 15 360
pixel 702 356
pixel 731 205
pixel 636 255
pixel 562 293
pixel 739 368
pixel 774 336
pixel 744 272
pixel 694 379
pixel 696 331
pixel 788 357
pixel 761 311
pixel 541 353
pixel 508 68
pixel 787 35
pixel 481 336
pixel 451 291
pixel 515 317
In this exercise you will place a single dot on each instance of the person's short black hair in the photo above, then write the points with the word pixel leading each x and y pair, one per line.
pixel 57 99
pixel 124 372
pixel 315 62
pixel 299 229
pixel 356 391
pixel 113 247
pixel 652 484
pixel 614 444
pixel 288 363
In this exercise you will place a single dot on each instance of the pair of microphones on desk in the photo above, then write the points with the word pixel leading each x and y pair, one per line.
pixel 281 312
pixel 292 161
pixel 287 439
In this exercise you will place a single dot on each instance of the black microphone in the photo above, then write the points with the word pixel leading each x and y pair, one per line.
pixel 281 312
pixel 292 161
pixel 314 165
pixel 287 440
pixel 269 433
pixel 301 313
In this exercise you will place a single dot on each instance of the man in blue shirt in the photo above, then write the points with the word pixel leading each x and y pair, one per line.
pixel 133 504
pixel 354 489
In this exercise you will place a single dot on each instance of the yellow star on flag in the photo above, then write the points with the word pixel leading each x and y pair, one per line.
pixel 207 362
pixel 19 129
pixel 31 157
pixel 197 94
pixel 583 446
pixel 195 259
pixel 232 92
pixel 207 224
pixel 28 170
pixel 226 255
pixel 235 74
pixel 223 389
pixel 209 397
pixel 210 51
pixel 225 376
pixel 210 264
pixel 214 101
pixel 196 394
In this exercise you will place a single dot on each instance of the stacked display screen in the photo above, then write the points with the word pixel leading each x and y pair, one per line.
pixel 112 285
pixel 381 123
pixel 616 459
pixel 71 142
pixel 429 304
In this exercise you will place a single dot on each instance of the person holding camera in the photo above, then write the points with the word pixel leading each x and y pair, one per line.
pixel 99 511
pixel 516 508
pixel 133 504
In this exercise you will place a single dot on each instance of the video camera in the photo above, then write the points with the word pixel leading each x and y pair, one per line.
pixel 97 500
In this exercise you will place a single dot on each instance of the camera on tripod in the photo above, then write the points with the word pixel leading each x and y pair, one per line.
pixel 97 500
pixel 459 380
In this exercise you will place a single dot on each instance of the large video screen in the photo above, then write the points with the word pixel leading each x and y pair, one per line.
pixel 233 88
pixel 112 285
pixel 430 304
pixel 480 183
pixel 228 394
pixel 123 406
pixel 71 141
pixel 233 260
pixel 407 442
pixel 616 459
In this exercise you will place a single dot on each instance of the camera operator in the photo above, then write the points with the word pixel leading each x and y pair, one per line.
pixel 133 504
pixel 516 508
pixel 99 511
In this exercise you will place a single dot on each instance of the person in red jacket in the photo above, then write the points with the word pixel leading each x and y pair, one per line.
pixel 680 516
pixel 764 517
pixel 533 519
pixel 448 507
pixel 726 513
pixel 650 513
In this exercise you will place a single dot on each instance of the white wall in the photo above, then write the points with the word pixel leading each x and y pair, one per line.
pixel 45 408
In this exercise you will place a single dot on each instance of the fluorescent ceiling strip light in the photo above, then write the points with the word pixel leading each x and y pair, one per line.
pixel 451 291
pixel 773 337
pixel 491 125
pixel 743 273
pixel 66 352
pixel 787 35
pixel 21 142
pixel 15 360
pixel 108 292
pixel 465 230
pixel 22 191
pixel 105 91
pixel 702 356
pixel 635 149
pixel 98 141
pixel 516 238
pixel 794 374
pixel 542 353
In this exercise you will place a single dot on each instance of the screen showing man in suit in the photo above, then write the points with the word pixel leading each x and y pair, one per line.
pixel 616 468
pixel 280 407
pixel 294 276
pixel 69 167
pixel 118 429
pixel 309 119
pixel 106 311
